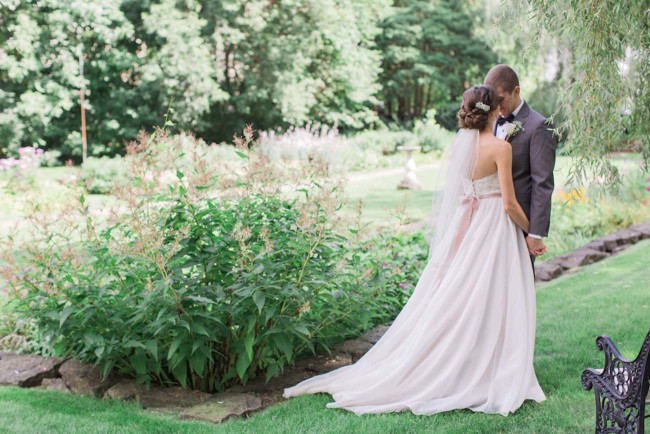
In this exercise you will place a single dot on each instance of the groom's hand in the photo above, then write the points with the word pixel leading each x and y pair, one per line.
pixel 536 246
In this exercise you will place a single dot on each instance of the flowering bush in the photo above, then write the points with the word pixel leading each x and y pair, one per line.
pixel 321 142
pixel 367 150
pixel 20 169
pixel 207 279
pixel 581 215
pixel 29 158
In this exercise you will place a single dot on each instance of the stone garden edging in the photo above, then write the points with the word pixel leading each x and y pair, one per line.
pixel 591 252
pixel 71 376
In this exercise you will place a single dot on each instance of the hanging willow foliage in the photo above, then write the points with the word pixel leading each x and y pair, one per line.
pixel 604 92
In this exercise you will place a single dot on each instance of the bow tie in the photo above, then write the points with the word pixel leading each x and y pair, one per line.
pixel 503 119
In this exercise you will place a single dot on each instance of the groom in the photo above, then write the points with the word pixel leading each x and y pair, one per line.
pixel 533 154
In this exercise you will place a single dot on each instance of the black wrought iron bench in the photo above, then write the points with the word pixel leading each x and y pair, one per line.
pixel 621 388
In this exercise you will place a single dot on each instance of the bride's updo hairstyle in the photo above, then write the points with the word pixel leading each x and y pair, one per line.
pixel 478 103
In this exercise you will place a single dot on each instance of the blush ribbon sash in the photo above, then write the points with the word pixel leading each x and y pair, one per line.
pixel 470 202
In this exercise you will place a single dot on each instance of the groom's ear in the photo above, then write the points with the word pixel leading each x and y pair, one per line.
pixel 516 91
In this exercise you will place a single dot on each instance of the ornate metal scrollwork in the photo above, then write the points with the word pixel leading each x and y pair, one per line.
pixel 620 387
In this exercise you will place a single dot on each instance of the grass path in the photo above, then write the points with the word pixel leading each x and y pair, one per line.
pixel 611 297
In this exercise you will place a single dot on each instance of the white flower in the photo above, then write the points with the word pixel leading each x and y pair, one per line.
pixel 513 128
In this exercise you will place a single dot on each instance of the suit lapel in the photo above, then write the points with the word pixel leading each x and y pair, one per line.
pixel 521 117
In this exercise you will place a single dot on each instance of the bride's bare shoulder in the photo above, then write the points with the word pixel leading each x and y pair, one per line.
pixel 498 145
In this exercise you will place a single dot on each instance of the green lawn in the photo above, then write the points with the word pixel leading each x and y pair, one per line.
pixel 381 198
pixel 610 298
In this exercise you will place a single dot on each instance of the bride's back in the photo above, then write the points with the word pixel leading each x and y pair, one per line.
pixel 488 148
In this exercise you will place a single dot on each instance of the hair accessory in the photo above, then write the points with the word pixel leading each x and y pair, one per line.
pixel 483 106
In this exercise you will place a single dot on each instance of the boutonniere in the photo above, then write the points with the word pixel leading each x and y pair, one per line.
pixel 513 128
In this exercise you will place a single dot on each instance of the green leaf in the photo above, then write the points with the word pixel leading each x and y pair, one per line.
pixel 199 329
pixel 302 329
pixel 65 313
pixel 196 344
pixel 259 298
pixel 139 362
pixel 249 340
pixel 284 344
pixel 251 324
pixel 271 371
pixel 82 199
pixel 183 323
pixel 180 372
pixel 134 344
pixel 241 154
pixel 152 346
pixel 179 174
pixel 243 362
pixel 99 351
pixel 200 299
pixel 106 368
pixel 197 363
pixel 270 312
pixel 174 346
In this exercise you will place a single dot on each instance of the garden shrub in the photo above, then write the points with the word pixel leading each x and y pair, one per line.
pixel 371 149
pixel 581 215
pixel 99 175
pixel 209 278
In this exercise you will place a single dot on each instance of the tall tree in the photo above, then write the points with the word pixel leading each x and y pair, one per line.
pixel 430 56
pixel 223 62
pixel 292 62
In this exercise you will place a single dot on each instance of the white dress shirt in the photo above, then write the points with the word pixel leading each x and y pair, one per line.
pixel 501 133
pixel 501 129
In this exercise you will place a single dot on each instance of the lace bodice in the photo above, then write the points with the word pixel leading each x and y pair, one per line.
pixel 486 185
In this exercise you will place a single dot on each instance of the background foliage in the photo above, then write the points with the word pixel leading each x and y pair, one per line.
pixel 601 56
pixel 227 63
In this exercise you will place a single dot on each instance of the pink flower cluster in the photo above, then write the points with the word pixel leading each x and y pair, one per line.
pixel 29 158
pixel 647 186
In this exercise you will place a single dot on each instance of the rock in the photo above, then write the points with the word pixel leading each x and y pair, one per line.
pixel 355 348
pixel 583 256
pixel 610 241
pixel 27 370
pixel 54 384
pixel 84 379
pixel 125 390
pixel 622 237
pixel 595 245
pixel 547 271
pixel 223 406
pixel 629 236
pixel 289 377
pixel 642 228
pixel 375 334
pixel 170 399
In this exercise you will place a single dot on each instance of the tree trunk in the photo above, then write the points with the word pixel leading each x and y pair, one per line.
pixel 417 106
pixel 401 108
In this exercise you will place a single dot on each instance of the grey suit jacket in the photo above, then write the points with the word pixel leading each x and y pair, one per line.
pixel 533 161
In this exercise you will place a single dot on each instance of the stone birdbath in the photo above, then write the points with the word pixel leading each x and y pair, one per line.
pixel 410 181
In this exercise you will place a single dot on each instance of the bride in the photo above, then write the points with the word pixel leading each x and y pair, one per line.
pixel 466 336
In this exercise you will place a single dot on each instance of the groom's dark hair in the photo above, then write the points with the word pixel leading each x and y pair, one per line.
pixel 502 76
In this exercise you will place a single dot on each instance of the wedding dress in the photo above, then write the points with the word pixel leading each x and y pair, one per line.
pixel 465 338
